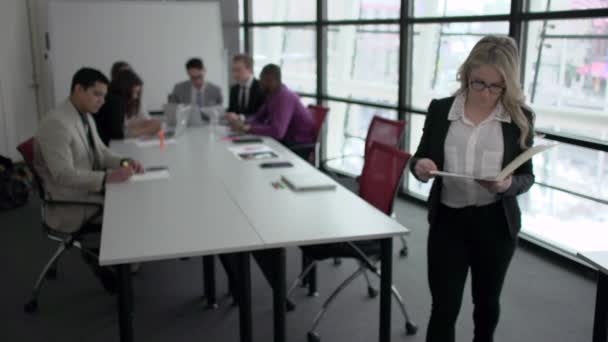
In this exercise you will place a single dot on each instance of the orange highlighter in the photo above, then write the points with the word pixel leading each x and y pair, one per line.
pixel 161 139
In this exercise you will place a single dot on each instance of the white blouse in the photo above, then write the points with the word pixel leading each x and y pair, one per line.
pixel 472 150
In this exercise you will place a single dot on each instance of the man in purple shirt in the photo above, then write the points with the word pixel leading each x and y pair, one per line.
pixel 282 116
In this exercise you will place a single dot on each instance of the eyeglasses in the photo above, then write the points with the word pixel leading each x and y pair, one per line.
pixel 481 86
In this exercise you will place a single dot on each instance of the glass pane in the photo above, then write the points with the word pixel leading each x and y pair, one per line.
pixel 347 126
pixel 574 168
pixel 283 10
pixel 569 222
pixel 438 52
pixel 293 49
pixel 241 12
pixel 242 39
pixel 444 8
pixel 363 9
pixel 414 127
pixel 565 5
pixel 568 87
pixel 363 62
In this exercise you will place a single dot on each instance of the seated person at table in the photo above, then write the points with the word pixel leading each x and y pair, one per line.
pixel 121 116
pixel 282 116
pixel 118 67
pixel 75 165
pixel 246 96
pixel 196 91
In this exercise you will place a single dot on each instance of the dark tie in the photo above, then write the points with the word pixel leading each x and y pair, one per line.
pixel 243 104
pixel 90 139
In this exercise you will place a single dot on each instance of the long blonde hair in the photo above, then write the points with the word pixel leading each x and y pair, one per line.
pixel 502 54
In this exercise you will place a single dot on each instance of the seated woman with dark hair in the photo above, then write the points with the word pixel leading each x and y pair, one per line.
pixel 121 116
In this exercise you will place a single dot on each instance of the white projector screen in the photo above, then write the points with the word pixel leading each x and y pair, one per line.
pixel 156 38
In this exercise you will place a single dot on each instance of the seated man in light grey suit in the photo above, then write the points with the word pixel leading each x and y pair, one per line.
pixel 196 91
pixel 74 164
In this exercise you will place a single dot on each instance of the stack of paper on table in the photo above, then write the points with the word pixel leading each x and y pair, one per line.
pixel 308 181
pixel 253 152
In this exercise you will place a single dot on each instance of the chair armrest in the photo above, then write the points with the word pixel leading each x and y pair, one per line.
pixel 302 146
pixel 82 203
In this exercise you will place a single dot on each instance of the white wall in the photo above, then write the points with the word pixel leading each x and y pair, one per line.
pixel 40 22
pixel 18 112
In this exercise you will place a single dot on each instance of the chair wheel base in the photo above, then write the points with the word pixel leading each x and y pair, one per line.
pixel 289 305
pixel 403 252
pixel 313 337
pixel 372 292
pixel 313 294
pixel 51 274
pixel 410 328
pixel 337 261
pixel 31 306
pixel 212 306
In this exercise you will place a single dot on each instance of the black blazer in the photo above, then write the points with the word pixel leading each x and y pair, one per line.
pixel 110 119
pixel 256 99
pixel 431 146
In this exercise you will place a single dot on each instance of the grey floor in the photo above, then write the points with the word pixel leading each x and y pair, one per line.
pixel 545 298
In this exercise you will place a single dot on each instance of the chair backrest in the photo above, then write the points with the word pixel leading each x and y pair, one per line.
pixel 319 113
pixel 381 176
pixel 26 149
pixel 385 131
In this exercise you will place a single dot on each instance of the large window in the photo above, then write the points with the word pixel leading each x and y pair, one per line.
pixel 442 8
pixel 363 70
pixel 363 9
pixel 566 70
pixel 293 49
pixel 283 10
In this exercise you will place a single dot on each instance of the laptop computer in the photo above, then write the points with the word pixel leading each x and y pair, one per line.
pixel 182 114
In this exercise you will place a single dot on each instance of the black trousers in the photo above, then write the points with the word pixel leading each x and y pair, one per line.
pixel 265 260
pixel 475 238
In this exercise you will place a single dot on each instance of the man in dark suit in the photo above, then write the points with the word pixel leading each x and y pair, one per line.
pixel 246 96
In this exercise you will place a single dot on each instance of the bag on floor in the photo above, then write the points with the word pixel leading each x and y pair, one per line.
pixel 14 185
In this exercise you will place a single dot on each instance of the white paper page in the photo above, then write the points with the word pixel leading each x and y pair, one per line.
pixel 153 142
pixel 150 175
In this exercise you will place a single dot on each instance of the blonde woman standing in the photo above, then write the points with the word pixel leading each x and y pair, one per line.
pixel 474 224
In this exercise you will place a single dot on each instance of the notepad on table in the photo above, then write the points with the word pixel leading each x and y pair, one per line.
pixel 149 142
pixel 150 175
pixel 308 181
pixel 253 152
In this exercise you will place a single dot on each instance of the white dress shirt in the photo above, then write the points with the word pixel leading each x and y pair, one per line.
pixel 472 150
pixel 195 94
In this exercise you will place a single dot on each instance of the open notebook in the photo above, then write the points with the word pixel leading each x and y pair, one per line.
pixel 509 169
pixel 308 181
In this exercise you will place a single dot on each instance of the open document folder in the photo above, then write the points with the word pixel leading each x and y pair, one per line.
pixel 509 169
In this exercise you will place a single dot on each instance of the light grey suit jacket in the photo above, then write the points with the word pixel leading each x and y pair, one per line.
pixel 64 160
pixel 182 93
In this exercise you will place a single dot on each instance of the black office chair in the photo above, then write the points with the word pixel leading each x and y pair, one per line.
pixel 379 182
pixel 65 240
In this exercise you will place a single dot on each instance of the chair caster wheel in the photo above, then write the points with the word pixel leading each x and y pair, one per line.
pixel 289 305
pixel 372 292
pixel 410 328
pixel 313 337
pixel 51 274
pixel 337 261
pixel 212 306
pixel 313 294
pixel 31 306
pixel 403 252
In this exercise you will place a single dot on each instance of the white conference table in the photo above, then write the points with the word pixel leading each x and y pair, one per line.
pixel 599 259
pixel 214 203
